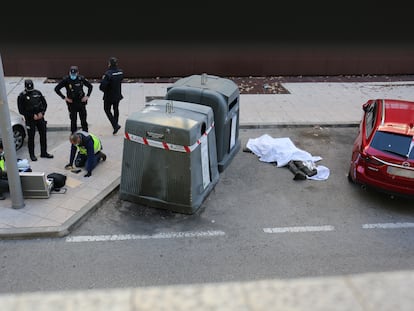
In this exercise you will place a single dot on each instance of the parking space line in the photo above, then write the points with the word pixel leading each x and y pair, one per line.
pixel 392 225
pixel 299 229
pixel 212 233
pixel 125 237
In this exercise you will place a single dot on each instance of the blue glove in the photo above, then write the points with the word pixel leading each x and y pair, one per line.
pixel 88 174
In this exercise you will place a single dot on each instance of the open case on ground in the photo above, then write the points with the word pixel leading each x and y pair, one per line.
pixel 35 185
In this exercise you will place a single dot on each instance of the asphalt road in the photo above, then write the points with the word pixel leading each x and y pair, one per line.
pixel 257 223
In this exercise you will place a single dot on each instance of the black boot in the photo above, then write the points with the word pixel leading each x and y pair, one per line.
pixel 300 165
pixel 102 156
pixel 299 175
pixel 245 149
pixel 116 129
pixel 46 155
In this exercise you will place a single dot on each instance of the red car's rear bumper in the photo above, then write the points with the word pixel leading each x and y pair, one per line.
pixel 393 188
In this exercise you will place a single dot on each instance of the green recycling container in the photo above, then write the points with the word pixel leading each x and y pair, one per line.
pixel 169 156
pixel 223 96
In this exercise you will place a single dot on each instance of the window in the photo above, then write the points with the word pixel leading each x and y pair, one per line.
pixel 370 117
pixel 400 145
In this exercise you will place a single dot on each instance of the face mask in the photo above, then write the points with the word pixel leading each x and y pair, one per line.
pixel 73 76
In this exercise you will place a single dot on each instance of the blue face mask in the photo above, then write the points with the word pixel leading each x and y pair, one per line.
pixel 73 76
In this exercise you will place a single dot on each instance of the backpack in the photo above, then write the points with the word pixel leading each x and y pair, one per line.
pixel 59 180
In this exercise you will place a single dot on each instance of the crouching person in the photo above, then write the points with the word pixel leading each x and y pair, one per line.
pixel 4 183
pixel 86 150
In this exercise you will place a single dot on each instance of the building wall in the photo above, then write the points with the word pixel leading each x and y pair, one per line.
pixel 158 60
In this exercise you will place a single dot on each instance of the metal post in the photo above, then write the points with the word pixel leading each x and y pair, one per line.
pixel 169 107
pixel 203 78
pixel 16 193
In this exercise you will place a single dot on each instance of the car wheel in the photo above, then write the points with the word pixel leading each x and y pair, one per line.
pixel 18 135
pixel 349 177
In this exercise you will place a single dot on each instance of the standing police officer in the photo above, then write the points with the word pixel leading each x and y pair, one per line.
pixel 32 105
pixel 75 98
pixel 111 87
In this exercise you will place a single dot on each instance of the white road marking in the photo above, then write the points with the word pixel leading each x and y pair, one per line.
pixel 124 237
pixel 391 225
pixel 299 229
pixel 212 233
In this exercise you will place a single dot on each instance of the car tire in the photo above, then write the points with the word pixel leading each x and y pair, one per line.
pixel 19 135
pixel 349 177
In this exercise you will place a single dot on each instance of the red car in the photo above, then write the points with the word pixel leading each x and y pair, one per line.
pixel 383 151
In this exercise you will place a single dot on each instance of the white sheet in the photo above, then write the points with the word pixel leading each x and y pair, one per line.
pixel 282 150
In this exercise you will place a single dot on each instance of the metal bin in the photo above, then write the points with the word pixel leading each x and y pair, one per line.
pixel 169 156
pixel 224 97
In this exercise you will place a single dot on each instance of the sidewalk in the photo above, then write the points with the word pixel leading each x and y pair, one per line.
pixel 362 292
pixel 321 103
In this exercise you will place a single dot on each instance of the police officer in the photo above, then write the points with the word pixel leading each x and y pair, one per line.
pixel 88 150
pixel 32 105
pixel 112 94
pixel 75 97
pixel 4 183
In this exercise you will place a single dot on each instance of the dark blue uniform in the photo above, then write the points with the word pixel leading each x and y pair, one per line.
pixel 75 92
pixel 30 103
pixel 111 85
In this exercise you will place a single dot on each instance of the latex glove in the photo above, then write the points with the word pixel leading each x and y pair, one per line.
pixel 68 166
pixel 88 174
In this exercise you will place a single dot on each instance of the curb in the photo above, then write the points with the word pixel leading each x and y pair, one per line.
pixel 65 228
pixel 247 126
pixel 57 128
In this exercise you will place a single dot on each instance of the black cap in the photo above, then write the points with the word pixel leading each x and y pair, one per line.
pixel 28 84
pixel 73 69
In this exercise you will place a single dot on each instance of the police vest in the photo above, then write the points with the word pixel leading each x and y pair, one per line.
pixel 96 144
pixel 2 163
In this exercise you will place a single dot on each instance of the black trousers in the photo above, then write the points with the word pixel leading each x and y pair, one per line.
pixel 112 116
pixel 75 108
pixel 80 159
pixel 31 126
pixel 4 185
